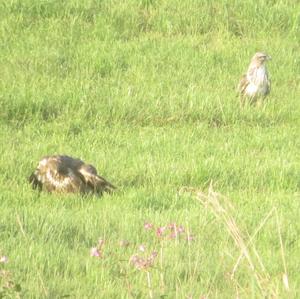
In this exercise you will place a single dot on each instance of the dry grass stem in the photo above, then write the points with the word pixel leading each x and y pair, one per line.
pixel 222 208
pixel 250 242
pixel 285 276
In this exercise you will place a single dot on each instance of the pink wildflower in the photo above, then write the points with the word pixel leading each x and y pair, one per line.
pixel 175 227
pixel 3 259
pixel 180 229
pixel 175 230
pixel 173 235
pixel 148 226
pixel 95 252
pixel 172 225
pixel 190 238
pixel 153 254
pixel 160 231
pixel 142 248
pixel 137 261
pixel 134 259
pixel 141 263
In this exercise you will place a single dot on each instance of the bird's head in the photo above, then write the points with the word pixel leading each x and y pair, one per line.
pixel 260 58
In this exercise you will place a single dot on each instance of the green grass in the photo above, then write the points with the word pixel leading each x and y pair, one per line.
pixel 145 91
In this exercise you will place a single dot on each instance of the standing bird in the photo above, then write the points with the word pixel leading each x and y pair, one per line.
pixel 255 84
pixel 64 174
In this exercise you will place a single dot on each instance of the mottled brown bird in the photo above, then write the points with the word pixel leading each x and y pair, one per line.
pixel 64 174
pixel 255 85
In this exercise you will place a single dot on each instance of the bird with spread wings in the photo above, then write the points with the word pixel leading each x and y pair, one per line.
pixel 64 174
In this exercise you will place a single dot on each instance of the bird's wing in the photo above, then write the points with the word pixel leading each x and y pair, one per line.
pixel 268 86
pixel 64 163
pixel 95 182
pixel 35 182
pixel 38 178
pixel 243 84
pixel 66 174
pixel 55 173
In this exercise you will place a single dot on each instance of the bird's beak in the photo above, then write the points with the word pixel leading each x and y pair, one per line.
pixel 269 57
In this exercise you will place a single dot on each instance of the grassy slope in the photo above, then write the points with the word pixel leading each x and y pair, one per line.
pixel 145 91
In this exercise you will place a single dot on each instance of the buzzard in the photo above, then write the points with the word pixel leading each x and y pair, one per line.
pixel 255 84
pixel 64 174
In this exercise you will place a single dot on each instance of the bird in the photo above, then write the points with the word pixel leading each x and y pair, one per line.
pixel 64 174
pixel 255 85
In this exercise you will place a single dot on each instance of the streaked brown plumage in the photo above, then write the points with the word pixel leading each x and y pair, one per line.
pixel 64 174
pixel 255 85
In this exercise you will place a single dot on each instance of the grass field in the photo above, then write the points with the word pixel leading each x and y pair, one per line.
pixel 145 91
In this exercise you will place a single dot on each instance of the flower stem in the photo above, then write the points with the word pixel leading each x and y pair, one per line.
pixel 149 285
